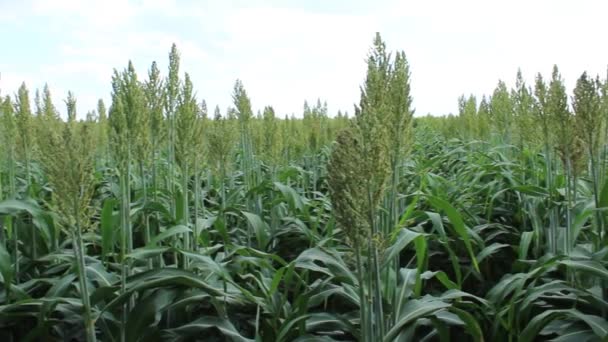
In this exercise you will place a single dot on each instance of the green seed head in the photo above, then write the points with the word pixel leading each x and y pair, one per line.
pixel 348 186
pixel 73 186
pixel 154 93
pixel 222 136
pixel 586 103
pixel 186 125
pixel 25 124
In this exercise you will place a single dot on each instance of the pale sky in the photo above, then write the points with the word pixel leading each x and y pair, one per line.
pixel 286 52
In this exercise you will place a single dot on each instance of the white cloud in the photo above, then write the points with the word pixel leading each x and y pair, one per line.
pixel 285 55
pixel 100 15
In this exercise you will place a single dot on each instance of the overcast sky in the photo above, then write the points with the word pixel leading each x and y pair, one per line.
pixel 286 52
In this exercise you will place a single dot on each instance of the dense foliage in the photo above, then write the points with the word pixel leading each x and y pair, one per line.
pixel 153 219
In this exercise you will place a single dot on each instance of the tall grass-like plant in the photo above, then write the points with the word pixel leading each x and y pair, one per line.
pixel 154 93
pixel 48 119
pixel 141 137
pixel 386 101
pixel 271 140
pixel 69 164
pixel 171 98
pixel 26 145
pixel 222 139
pixel 501 112
pixel 103 131
pixel 562 123
pixel 523 105
pixel 187 130
pixel 132 98
pixel 543 118
pixel 587 107
pixel 400 136
pixel 358 171
pixel 603 157
pixel 484 118
pixel 355 197
pixel 200 155
pixel 3 159
pixel 154 103
pixel 467 111
pixel 25 128
pixel 125 115
pixel 9 142
pixel 399 121
pixel 242 104
pixel 249 164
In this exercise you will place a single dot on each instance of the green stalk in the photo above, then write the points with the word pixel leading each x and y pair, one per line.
pixel 380 329
pixel 375 282
pixel 596 194
pixel 370 289
pixel 599 220
pixel 30 194
pixel 79 252
pixel 392 221
pixel 222 181
pixel 2 235
pixel 155 189
pixel 185 212
pixel 552 236
pixel 147 235
pixel 364 318
pixel 195 188
pixel 568 243
pixel 171 161
pixel 123 252
pixel 11 226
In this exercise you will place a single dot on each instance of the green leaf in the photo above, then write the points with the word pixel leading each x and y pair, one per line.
pixel 471 324
pixel 603 203
pixel 334 265
pixel 176 230
pixel 260 229
pixel 524 244
pixel 443 279
pixel 6 267
pixel 145 253
pixel 412 311
pixel 12 206
pixel 199 326
pixel 575 335
pixel 144 314
pixel 289 326
pixel 276 280
pixel 324 321
pixel 588 266
pixel 296 202
pixel 404 238
pixel 532 190
pixel 421 261
pixel 165 277
pixel 597 324
pixel 449 318
pixel 107 224
pixel 438 225
pixel 579 222
pixel 489 250
pixel 459 226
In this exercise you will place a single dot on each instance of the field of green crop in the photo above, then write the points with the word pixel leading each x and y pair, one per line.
pixel 156 220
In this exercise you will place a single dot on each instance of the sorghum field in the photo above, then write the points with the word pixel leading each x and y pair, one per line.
pixel 157 219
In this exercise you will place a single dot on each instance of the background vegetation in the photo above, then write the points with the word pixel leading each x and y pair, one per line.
pixel 154 219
